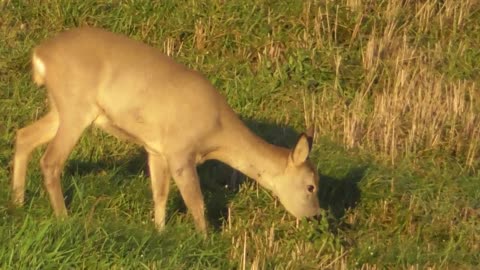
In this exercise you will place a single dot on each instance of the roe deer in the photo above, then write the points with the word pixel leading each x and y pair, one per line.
pixel 135 92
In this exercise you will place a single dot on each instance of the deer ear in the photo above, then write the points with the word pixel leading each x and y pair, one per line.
pixel 310 133
pixel 301 150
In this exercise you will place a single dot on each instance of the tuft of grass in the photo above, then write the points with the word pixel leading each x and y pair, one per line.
pixel 391 87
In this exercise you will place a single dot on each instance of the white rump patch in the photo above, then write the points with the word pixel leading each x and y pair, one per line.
pixel 39 70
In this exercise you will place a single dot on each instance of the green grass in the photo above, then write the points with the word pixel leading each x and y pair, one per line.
pixel 275 61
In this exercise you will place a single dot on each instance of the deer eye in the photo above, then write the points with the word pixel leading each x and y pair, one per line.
pixel 311 188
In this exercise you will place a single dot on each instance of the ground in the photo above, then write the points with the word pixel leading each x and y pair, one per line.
pixel 391 87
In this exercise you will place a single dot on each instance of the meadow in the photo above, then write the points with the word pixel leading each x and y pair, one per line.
pixel 392 88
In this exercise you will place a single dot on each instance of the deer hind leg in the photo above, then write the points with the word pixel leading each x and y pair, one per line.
pixel 160 177
pixel 70 128
pixel 29 138
pixel 187 180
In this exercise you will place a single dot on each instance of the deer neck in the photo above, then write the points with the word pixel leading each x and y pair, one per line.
pixel 246 152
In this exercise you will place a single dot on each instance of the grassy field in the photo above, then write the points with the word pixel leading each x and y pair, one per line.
pixel 391 86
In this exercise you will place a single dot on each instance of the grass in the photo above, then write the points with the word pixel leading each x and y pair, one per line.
pixel 391 86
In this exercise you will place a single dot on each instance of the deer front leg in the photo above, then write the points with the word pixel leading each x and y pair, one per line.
pixel 186 178
pixel 160 178
pixel 29 138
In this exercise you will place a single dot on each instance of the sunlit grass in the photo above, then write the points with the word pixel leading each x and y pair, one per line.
pixel 391 86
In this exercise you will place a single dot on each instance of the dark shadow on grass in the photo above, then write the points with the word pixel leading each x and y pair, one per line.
pixel 134 164
pixel 123 169
pixel 339 195
pixel 219 182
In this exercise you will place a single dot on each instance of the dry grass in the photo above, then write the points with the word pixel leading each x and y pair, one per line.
pixel 403 106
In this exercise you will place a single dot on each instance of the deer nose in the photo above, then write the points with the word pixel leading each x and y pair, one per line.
pixel 316 217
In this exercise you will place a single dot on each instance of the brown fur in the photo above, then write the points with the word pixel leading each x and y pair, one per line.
pixel 136 92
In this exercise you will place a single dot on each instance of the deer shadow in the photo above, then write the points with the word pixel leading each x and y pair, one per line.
pixel 220 183
pixel 338 195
